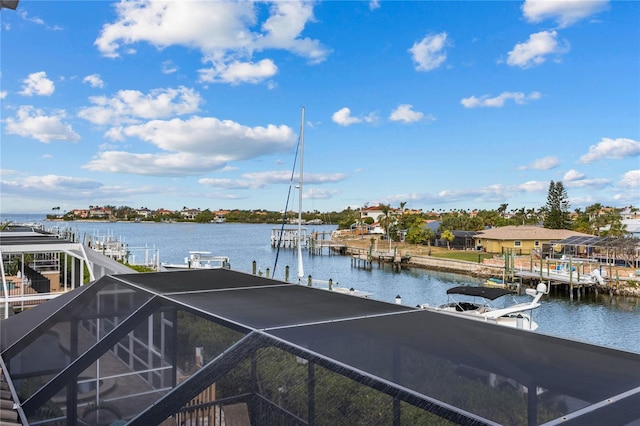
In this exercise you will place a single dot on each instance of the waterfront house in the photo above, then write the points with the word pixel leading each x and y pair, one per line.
pixel 144 212
pixel 98 212
pixel 375 212
pixel 189 214
pixel 462 240
pixel 519 239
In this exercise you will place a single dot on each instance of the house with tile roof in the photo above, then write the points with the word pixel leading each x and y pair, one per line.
pixel 520 239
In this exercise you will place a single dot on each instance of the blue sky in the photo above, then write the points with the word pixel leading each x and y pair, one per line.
pixel 439 104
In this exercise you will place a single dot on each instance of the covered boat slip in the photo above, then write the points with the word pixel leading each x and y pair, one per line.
pixel 192 344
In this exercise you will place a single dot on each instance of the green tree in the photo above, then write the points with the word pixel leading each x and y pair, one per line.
pixel 596 219
pixel 204 216
pixel 417 233
pixel 448 237
pixel 617 229
pixel 557 207
pixel 581 223
pixel 347 218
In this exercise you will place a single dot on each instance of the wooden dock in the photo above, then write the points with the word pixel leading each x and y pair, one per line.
pixel 585 280
pixel 361 258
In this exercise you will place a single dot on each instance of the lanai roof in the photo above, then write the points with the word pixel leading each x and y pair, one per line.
pixel 437 362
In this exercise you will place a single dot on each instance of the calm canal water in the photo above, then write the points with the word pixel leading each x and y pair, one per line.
pixel 602 320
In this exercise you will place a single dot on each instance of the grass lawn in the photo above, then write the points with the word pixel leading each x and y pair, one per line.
pixel 469 256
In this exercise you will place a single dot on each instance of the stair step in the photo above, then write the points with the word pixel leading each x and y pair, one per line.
pixel 6 404
pixel 10 415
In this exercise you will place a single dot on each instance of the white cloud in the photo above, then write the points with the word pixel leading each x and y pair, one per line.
pixel 616 149
pixel 283 176
pixel 163 164
pixel 533 186
pixel 258 180
pixel 94 80
pixel 193 146
pixel 545 163
pixel 320 193
pixel 239 72
pixel 630 179
pixel 51 186
pixel 564 13
pixel 572 175
pixel 535 50
pixel 37 84
pixel 491 193
pixel 23 14
pixel 428 54
pixel 374 4
pixel 576 179
pixel 405 114
pixel 30 122
pixel 78 190
pixel 130 105
pixel 231 183
pixel 588 183
pixel 168 67
pixel 498 101
pixel 343 117
pixel 226 33
pixel 3 94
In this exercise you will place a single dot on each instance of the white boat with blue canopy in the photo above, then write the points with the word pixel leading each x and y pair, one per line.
pixel 476 304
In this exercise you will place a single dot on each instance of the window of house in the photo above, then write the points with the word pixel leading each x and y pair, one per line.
pixel 536 243
pixel 517 243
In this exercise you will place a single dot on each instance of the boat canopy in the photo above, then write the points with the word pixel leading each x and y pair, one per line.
pixel 490 293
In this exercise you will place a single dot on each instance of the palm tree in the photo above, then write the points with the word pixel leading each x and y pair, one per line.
pixel 385 220
pixel 429 235
pixel 448 237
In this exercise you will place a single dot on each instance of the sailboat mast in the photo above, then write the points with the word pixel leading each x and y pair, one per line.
pixel 300 266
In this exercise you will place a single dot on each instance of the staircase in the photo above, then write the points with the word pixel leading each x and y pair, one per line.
pixel 8 413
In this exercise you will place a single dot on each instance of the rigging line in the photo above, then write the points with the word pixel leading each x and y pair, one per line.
pixel 284 215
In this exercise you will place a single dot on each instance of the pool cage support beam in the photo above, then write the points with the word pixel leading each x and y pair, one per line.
pixel 254 381
pixel 176 398
pixel 72 387
pixel 311 393
pixel 83 299
pixel 174 348
pixel 83 362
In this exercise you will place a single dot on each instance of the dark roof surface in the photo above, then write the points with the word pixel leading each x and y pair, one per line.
pixel 284 305
pixel 490 293
pixel 592 241
pixel 429 356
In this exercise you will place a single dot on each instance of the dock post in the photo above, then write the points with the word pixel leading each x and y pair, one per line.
pixel 268 273
pixel 286 273
pixel 330 284
pixel 254 267
pixel 309 281
pixel 570 290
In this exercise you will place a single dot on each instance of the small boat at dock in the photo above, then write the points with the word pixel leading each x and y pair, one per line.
pixel 479 307
pixel 199 260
